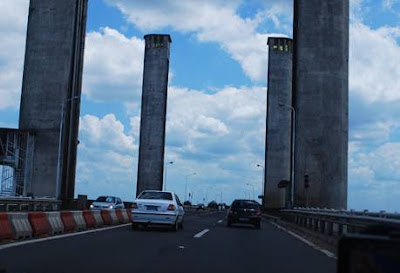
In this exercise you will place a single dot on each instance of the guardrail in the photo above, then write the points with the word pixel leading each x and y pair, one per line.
pixel 29 204
pixel 336 222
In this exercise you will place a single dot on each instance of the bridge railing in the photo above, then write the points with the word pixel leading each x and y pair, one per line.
pixel 336 222
pixel 29 204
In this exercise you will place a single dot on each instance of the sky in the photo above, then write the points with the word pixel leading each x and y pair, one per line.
pixel 216 95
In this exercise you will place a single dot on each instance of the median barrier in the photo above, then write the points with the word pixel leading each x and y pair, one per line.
pixel 125 216
pixel 114 217
pixel 129 212
pixel 105 215
pixel 20 225
pixel 89 218
pixel 55 221
pixel 68 221
pixel 97 218
pixel 5 227
pixel 39 223
pixel 118 212
pixel 79 220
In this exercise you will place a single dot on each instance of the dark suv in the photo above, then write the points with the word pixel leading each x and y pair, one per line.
pixel 244 212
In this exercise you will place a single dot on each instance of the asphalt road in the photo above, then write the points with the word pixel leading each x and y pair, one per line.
pixel 193 249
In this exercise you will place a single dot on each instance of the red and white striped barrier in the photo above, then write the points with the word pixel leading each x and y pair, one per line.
pixel 56 224
pixel 79 220
pixel 98 218
pixel 39 223
pixel 5 228
pixel 68 221
pixel 20 225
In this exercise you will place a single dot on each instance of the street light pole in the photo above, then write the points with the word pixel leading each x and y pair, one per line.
pixel 186 183
pixel 252 187
pixel 263 183
pixel 292 151
pixel 165 174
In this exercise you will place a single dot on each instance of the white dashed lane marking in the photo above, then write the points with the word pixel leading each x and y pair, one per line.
pixel 220 221
pixel 201 233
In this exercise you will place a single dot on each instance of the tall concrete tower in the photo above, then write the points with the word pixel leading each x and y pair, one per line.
pixel 51 90
pixel 321 51
pixel 279 113
pixel 153 116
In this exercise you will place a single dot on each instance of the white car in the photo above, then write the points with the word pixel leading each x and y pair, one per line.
pixel 107 202
pixel 158 208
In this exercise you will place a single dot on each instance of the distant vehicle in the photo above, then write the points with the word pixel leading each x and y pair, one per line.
pixel 245 212
pixel 107 202
pixel 213 205
pixel 157 208
pixel 187 203
pixel 200 207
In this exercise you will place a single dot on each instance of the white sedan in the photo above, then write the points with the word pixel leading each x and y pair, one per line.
pixel 158 208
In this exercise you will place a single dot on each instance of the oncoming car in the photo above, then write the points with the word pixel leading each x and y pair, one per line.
pixel 157 208
pixel 107 202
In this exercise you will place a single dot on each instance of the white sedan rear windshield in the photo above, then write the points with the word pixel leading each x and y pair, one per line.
pixel 156 195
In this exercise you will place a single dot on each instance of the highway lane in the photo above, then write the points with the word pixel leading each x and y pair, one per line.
pixel 204 245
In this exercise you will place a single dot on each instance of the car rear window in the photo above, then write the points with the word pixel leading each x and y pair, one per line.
pixel 245 205
pixel 156 195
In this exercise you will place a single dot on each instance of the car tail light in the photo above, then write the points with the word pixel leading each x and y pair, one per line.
pixel 171 207
pixel 134 206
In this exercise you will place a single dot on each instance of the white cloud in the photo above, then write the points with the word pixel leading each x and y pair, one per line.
pixel 113 66
pixel 13 22
pixel 211 21
pixel 106 132
pixel 374 59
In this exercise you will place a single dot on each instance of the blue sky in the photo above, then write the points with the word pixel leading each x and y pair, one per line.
pixel 217 94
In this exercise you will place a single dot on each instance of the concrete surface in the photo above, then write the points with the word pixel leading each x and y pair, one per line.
pixel 52 85
pixel 153 115
pixel 321 51
pixel 279 120
pixel 220 249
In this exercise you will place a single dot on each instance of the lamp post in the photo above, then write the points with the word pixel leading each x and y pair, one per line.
pixel 60 140
pixel 263 183
pixel 165 174
pixel 292 151
pixel 252 187
pixel 186 182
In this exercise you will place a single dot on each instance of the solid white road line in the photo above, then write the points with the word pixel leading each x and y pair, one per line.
pixel 201 233
pixel 32 241
pixel 220 221
pixel 326 252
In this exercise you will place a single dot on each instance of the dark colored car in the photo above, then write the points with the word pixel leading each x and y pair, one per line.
pixel 200 207
pixel 244 212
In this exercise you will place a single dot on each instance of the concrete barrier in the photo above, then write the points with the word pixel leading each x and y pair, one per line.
pixel 79 220
pixel 107 220
pixel 120 218
pixel 39 223
pixel 89 218
pixel 20 225
pixel 68 221
pixel 5 227
pixel 114 217
pixel 125 216
pixel 129 212
pixel 55 221
pixel 97 218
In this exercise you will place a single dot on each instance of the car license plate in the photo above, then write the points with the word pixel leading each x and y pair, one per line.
pixel 244 219
pixel 152 207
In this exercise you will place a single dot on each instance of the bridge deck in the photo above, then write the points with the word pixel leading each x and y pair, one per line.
pixel 221 249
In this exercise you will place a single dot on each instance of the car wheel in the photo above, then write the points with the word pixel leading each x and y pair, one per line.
pixel 134 226
pixel 258 225
pixel 175 227
pixel 228 223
